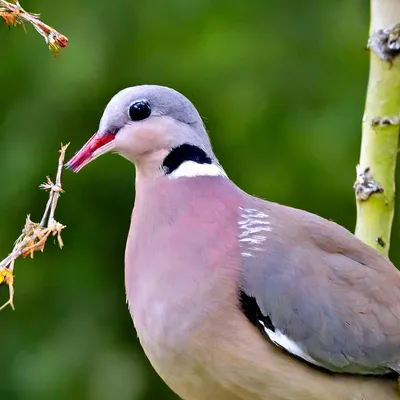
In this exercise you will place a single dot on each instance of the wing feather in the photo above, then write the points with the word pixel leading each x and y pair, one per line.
pixel 331 295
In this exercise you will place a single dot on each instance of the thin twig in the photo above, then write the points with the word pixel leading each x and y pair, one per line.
pixel 34 235
pixel 14 14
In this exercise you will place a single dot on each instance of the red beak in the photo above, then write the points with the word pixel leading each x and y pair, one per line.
pixel 97 145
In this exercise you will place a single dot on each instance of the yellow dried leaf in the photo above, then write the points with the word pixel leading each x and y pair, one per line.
pixel 6 276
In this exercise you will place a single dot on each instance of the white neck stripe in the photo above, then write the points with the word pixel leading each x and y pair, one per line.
pixel 191 169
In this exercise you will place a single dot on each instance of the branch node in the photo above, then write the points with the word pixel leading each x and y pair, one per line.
pixel 49 185
pixel 385 121
pixel 381 242
pixel 365 185
pixel 385 43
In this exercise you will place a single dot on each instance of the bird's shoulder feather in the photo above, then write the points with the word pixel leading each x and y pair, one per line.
pixel 331 299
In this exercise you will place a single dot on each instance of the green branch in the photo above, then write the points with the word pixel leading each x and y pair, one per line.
pixel 375 184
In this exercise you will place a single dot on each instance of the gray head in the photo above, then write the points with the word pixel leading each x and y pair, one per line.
pixel 155 127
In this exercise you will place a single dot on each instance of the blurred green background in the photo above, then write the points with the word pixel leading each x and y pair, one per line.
pixel 281 85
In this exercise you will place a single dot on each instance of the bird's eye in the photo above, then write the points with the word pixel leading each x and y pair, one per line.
pixel 139 110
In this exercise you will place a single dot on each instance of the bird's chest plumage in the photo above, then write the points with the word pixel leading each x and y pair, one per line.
pixel 181 266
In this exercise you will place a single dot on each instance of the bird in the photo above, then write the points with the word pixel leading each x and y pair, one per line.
pixel 234 297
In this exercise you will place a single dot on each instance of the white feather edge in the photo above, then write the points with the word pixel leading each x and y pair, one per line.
pixel 289 345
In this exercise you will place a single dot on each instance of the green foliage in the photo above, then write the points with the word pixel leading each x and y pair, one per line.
pixel 281 85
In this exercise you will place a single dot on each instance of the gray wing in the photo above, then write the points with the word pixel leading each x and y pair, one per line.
pixel 321 293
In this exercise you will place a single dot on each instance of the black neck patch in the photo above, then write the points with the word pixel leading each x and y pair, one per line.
pixel 182 153
pixel 253 313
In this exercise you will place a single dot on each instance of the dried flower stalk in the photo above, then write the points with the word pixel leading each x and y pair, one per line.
pixel 34 235
pixel 14 14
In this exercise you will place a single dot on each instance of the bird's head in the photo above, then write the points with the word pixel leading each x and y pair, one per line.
pixel 156 128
